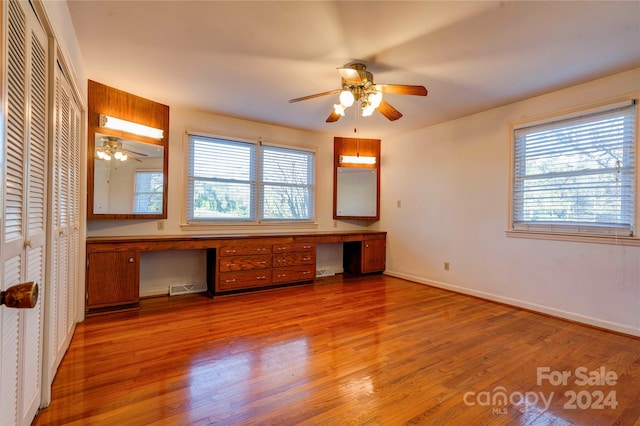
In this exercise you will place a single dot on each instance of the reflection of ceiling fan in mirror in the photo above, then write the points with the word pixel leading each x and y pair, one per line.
pixel 112 149
pixel 358 86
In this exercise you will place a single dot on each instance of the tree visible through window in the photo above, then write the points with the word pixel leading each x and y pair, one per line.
pixel 231 180
pixel 576 175
pixel 148 192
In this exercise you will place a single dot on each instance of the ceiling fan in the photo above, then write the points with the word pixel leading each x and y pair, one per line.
pixel 358 85
pixel 112 148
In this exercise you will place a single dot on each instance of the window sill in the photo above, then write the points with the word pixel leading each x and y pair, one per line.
pixel 247 226
pixel 580 238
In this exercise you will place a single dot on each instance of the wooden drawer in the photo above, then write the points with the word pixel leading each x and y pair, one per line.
pixel 244 249
pixel 244 279
pixel 294 274
pixel 243 263
pixel 293 247
pixel 290 259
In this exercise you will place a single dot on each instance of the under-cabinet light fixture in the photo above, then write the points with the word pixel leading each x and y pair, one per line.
pixel 357 159
pixel 130 127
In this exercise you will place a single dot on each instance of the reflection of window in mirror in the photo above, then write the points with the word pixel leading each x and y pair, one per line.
pixel 147 196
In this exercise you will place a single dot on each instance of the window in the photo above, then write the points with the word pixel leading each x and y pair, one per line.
pixel 147 196
pixel 231 180
pixel 576 175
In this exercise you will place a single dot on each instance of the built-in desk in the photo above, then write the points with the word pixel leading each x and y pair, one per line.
pixel 234 262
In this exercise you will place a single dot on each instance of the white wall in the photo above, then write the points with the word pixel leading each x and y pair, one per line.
pixel 453 181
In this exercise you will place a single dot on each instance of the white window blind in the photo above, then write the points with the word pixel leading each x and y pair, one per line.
pixel 288 183
pixel 577 175
pixel 222 179
pixel 230 180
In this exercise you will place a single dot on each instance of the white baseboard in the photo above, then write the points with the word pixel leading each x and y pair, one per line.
pixel 596 322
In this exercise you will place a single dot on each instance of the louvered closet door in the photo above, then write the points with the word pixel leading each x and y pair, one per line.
pixel 65 204
pixel 23 232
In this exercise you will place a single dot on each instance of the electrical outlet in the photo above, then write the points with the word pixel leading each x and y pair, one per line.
pixel 335 223
pixel 161 225
pixel 446 266
pixel 399 203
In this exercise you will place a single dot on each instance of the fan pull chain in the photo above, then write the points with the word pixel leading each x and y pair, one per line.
pixel 355 130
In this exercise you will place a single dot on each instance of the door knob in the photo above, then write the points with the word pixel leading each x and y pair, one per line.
pixel 21 296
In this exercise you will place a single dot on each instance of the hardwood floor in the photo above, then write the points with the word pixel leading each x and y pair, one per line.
pixel 367 351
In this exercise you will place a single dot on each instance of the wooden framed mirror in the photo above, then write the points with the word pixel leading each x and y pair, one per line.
pixel 356 179
pixel 127 171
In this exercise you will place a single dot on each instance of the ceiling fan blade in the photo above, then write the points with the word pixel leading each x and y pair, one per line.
pixel 402 89
pixel 134 152
pixel 388 111
pixel 334 116
pixel 350 75
pixel 317 95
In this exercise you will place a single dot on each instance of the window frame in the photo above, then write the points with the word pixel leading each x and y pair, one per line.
pixel 573 233
pixel 255 218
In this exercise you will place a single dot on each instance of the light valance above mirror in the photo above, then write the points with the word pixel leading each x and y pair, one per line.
pixel 128 155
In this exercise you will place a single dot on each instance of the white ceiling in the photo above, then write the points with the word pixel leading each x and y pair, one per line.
pixel 247 59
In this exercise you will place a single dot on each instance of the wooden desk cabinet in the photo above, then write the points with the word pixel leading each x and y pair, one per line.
pixel 243 266
pixel 366 256
pixel 294 262
pixel 114 279
pixel 234 263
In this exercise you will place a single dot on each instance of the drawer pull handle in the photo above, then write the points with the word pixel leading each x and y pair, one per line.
pixel 305 272
pixel 131 260
pixel 262 262
pixel 233 280
pixel 306 258
pixel 230 251
pixel 263 277
pixel 282 275
pixel 230 264
pixel 306 247
pixel 281 248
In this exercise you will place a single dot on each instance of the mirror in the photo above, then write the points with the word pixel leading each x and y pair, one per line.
pixel 356 179
pixel 127 163
pixel 357 192
pixel 128 176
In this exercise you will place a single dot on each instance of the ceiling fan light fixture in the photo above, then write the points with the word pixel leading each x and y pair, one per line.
pixel 111 148
pixel 374 99
pixel 358 86
pixel 346 98
pixel 367 110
